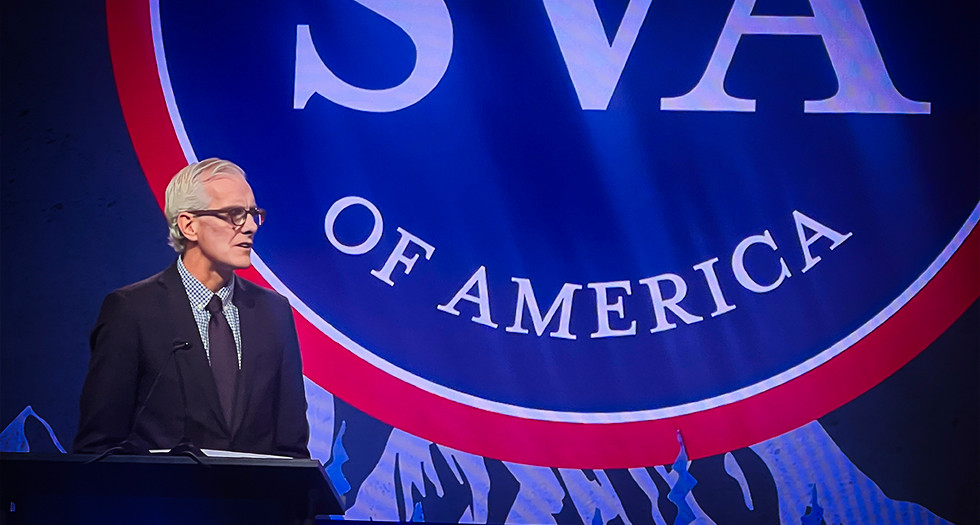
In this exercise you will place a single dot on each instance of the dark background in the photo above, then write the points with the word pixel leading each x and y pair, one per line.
pixel 79 220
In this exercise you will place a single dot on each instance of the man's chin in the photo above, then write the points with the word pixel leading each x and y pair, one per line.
pixel 239 264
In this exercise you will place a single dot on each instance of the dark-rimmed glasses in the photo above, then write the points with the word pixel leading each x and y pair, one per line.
pixel 234 215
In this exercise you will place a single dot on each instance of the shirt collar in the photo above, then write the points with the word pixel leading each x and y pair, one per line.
pixel 199 294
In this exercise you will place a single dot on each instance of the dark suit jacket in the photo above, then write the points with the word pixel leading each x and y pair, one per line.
pixel 141 337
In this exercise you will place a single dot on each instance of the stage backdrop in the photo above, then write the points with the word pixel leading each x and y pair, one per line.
pixel 574 261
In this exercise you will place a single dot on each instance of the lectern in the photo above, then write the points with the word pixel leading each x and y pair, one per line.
pixel 183 490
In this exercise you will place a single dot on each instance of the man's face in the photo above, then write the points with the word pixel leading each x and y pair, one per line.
pixel 226 246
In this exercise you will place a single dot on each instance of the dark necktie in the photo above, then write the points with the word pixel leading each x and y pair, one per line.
pixel 224 356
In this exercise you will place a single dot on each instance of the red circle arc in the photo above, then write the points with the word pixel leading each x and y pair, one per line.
pixel 555 444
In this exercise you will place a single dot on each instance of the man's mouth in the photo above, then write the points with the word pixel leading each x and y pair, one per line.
pixel 246 245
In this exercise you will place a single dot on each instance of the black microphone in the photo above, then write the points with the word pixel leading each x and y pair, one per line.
pixel 185 447
pixel 178 346
pixel 127 447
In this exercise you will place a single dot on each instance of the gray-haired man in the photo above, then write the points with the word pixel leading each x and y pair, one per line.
pixel 195 355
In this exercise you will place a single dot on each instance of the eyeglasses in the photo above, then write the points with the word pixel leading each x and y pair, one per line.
pixel 235 215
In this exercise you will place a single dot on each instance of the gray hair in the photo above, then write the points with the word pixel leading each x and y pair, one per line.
pixel 186 192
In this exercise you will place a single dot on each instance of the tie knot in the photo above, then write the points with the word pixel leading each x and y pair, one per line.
pixel 214 305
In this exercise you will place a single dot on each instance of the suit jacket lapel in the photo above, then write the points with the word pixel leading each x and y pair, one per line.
pixel 252 344
pixel 198 382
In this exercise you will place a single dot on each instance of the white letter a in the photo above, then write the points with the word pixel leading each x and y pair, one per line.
pixel 479 280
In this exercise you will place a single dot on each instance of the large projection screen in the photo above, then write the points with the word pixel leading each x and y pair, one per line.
pixel 550 261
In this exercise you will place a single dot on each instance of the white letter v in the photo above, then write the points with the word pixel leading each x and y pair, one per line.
pixel 593 65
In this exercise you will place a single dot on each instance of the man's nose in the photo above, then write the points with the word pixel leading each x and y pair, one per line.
pixel 250 225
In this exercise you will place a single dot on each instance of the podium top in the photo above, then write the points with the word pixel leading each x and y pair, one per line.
pixel 291 482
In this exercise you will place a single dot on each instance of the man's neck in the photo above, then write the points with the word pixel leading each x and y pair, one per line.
pixel 204 271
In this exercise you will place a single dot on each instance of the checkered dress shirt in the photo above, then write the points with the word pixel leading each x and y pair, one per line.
pixel 199 297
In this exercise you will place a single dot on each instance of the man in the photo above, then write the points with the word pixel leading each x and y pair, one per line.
pixel 195 355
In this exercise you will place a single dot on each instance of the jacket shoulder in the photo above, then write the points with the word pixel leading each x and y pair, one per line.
pixel 260 294
pixel 149 289
pixel 152 282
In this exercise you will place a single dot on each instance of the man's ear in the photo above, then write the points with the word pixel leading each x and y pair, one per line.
pixel 188 226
